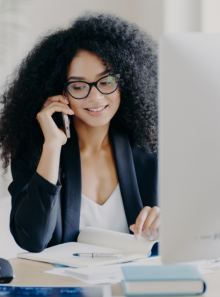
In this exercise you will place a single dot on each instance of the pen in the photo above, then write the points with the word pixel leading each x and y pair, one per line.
pixel 95 255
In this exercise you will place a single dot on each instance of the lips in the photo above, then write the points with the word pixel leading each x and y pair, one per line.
pixel 96 111
pixel 97 108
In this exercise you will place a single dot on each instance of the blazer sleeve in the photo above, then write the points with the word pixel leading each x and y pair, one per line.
pixel 146 167
pixel 34 206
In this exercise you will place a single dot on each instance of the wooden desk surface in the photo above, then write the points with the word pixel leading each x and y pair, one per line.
pixel 31 273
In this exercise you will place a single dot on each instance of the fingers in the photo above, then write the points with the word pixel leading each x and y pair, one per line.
pixel 147 223
pixel 59 107
pixel 154 227
pixel 132 227
pixel 58 98
pixel 140 220
pixel 52 108
pixel 151 223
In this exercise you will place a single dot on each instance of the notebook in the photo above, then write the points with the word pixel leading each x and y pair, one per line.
pixel 162 280
pixel 93 240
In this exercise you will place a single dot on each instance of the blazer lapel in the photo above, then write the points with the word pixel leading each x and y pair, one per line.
pixel 126 175
pixel 71 190
pixel 71 195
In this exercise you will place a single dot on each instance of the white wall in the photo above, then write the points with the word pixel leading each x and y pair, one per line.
pixel 191 15
pixel 210 15
pixel 55 13
pixel 182 16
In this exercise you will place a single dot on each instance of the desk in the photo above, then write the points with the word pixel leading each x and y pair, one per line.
pixel 31 273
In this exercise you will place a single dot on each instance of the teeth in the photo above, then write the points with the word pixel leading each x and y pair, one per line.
pixel 98 109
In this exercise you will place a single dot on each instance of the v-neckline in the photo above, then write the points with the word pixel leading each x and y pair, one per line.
pixel 70 177
pixel 105 201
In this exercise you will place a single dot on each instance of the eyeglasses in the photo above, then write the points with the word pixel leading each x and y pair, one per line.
pixel 81 89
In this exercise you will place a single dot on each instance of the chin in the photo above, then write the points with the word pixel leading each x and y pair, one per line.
pixel 97 123
pixel 94 122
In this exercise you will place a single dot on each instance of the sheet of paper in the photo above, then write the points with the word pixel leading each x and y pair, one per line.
pixel 113 270
pixel 212 263
pixel 63 254
pixel 61 271
pixel 204 270
pixel 116 240
pixel 204 266
pixel 112 274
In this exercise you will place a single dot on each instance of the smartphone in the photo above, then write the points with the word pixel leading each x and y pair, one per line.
pixel 62 121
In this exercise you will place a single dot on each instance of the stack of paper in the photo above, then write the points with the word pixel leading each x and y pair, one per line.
pixel 112 274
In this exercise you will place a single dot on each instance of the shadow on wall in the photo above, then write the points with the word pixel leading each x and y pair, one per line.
pixel 8 247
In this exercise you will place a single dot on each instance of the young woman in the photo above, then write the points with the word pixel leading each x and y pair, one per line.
pixel 102 73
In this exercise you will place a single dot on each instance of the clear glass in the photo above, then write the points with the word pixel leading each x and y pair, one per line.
pixel 81 89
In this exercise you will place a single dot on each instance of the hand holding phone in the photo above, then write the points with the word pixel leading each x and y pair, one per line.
pixel 62 121
pixel 53 119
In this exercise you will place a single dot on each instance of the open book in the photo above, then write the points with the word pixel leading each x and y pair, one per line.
pixel 93 240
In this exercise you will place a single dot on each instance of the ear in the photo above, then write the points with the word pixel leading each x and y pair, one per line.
pixel 65 95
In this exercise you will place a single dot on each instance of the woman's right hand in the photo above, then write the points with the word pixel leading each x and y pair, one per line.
pixel 53 134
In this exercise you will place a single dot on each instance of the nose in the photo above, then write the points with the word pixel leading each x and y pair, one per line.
pixel 94 95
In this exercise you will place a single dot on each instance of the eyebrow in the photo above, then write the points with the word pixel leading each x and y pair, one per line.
pixel 97 75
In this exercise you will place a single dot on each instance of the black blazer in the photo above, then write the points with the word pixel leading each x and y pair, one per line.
pixel 44 214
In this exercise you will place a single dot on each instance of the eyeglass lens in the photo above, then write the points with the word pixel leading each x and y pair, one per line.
pixel 106 85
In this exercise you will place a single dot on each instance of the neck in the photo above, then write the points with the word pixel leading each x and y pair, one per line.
pixel 91 139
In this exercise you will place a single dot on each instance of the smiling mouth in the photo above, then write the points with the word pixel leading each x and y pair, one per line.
pixel 96 109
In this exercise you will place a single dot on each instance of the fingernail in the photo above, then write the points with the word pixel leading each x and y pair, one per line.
pixel 72 112
pixel 136 236
pixel 66 101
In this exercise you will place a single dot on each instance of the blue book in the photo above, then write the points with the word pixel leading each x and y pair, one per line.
pixel 162 280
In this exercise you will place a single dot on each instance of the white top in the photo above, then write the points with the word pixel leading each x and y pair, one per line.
pixel 110 215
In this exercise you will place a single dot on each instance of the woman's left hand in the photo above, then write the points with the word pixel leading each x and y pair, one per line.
pixel 147 223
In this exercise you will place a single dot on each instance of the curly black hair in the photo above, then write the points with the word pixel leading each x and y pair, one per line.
pixel 130 51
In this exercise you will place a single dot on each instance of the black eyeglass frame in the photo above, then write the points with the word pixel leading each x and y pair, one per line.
pixel 91 84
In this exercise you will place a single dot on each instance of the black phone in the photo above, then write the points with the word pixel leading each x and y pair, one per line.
pixel 62 121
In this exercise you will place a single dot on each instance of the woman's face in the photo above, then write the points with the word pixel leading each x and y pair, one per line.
pixel 88 67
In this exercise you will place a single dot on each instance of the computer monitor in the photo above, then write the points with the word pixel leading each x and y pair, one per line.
pixel 189 147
